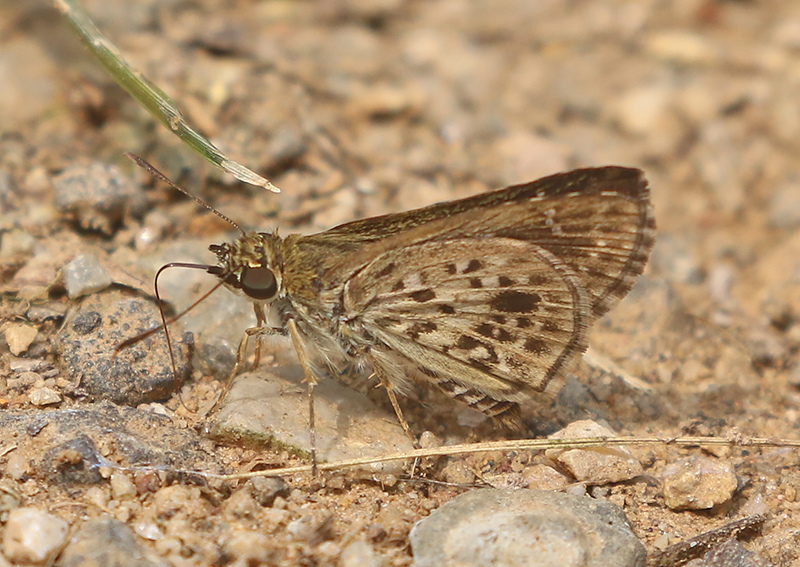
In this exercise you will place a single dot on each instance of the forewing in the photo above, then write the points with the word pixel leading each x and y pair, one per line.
pixel 497 315
pixel 598 221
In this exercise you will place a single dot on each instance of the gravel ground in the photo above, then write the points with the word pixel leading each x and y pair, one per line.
pixel 358 108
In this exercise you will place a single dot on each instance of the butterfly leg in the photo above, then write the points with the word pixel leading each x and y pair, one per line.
pixel 386 381
pixel 399 412
pixel 310 380
pixel 386 370
pixel 261 320
pixel 241 354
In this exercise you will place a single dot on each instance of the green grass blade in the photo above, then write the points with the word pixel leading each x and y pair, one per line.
pixel 149 95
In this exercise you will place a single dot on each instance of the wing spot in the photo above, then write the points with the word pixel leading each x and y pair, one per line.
pixel 505 281
pixel 536 346
pixel 447 309
pixel 473 266
pixel 386 270
pixel 475 283
pixel 537 280
pixel 451 269
pixel 504 336
pixel 466 342
pixel 399 286
pixel 550 327
pixel 523 322
pixel 420 328
pixel 515 301
pixel 423 295
pixel 485 329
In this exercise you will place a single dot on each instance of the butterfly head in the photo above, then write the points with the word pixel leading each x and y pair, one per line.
pixel 251 265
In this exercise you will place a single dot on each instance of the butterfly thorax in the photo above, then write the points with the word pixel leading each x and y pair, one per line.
pixel 276 272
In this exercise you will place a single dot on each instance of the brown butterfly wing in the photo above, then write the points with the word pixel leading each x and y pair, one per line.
pixel 599 221
pixel 496 315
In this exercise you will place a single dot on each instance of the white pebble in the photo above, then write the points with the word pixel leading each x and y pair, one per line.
pixel 17 466
pixel 85 275
pixel 122 488
pixel 359 554
pixel 597 465
pixel 32 536
pixel 20 337
pixel 44 397
pixel 698 483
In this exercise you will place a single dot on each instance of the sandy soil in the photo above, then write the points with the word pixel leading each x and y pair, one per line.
pixel 361 108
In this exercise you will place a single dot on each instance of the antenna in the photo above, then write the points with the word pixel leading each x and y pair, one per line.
pixel 141 162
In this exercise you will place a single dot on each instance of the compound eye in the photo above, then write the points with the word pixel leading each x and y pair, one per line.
pixel 259 283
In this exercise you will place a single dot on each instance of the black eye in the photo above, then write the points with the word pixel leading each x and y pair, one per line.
pixel 259 283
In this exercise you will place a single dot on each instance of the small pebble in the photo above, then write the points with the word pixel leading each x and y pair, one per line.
pixel 175 499
pixel 505 480
pixel 215 357
pixel 544 477
pixel 241 504
pixel 513 528
pixel 138 374
pixel 22 365
pixel 359 554
pixel 51 312
pixel 597 465
pixel 97 496
pixel 24 380
pixel 698 483
pixel 37 182
pixel 85 275
pixel 148 530
pixel 20 337
pixel 98 195
pixel 75 461
pixel 104 541
pixel 273 406
pixel 457 472
pixel 266 488
pixel 17 466
pixel 44 396
pixel 32 536
pixel 393 522
pixel 122 487
pixel 10 499
pixel 248 548
pixel 329 550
